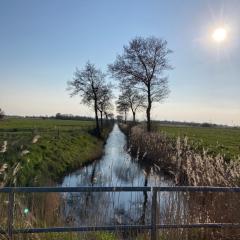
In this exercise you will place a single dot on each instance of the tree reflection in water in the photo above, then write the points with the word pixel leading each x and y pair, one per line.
pixel 116 168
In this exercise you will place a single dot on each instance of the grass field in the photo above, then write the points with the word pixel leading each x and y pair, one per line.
pixel 29 124
pixel 38 151
pixel 217 140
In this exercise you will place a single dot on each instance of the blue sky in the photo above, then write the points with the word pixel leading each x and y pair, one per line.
pixel 42 42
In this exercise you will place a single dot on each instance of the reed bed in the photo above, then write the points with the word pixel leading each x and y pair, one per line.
pixel 185 162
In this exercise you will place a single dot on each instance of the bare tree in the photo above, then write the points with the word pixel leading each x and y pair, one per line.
pixel 104 102
pixel 142 65
pixel 108 111
pixel 123 106
pixel 88 83
pixel 135 100
pixel 2 114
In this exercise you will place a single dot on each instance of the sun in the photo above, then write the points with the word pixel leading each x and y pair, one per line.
pixel 219 35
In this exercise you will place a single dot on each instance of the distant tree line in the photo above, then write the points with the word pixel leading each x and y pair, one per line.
pixel 72 117
pixel 190 124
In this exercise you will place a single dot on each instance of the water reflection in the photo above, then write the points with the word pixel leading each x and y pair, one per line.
pixel 116 168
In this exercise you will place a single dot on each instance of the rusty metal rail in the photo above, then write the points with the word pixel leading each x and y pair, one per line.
pixel 153 226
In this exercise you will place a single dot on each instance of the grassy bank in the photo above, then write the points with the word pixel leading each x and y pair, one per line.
pixel 36 151
pixel 224 141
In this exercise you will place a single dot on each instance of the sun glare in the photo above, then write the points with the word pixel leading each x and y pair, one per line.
pixel 219 34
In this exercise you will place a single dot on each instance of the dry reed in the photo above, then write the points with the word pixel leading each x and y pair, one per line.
pixel 186 163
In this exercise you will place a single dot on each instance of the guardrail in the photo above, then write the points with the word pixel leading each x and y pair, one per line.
pixel 153 227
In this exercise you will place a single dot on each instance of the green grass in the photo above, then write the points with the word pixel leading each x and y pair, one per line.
pixel 29 124
pixel 63 146
pixel 225 141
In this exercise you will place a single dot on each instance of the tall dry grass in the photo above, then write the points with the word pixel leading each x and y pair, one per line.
pixel 186 163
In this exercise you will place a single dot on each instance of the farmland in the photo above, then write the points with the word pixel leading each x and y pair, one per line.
pixel 31 124
pixel 225 141
pixel 38 152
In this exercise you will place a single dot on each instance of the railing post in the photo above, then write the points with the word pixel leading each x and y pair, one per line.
pixel 10 214
pixel 154 215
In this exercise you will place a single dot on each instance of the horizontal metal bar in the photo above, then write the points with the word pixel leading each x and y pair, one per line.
pixel 197 189
pixel 80 229
pixel 199 225
pixel 73 189
pixel 119 189
pixel 122 227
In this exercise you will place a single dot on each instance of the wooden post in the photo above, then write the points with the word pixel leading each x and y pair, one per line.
pixel 10 214
pixel 154 215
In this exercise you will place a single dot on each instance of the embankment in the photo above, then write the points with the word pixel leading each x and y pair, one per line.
pixel 44 158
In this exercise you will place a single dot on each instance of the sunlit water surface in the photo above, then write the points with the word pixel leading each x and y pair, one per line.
pixel 115 168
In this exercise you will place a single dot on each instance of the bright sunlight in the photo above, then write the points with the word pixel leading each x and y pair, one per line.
pixel 219 34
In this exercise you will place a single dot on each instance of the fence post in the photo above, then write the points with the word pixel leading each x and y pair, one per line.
pixel 10 214
pixel 154 215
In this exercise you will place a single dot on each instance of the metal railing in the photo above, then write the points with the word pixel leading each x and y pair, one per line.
pixel 153 227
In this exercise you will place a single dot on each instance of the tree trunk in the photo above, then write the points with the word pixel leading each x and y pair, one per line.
pixel 148 111
pixel 96 118
pixel 125 117
pixel 134 117
pixel 106 116
pixel 101 119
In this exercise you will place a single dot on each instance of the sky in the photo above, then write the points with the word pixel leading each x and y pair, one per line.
pixel 43 41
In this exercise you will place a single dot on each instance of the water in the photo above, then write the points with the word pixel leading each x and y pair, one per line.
pixel 115 168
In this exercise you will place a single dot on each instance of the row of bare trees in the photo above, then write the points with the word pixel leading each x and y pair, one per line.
pixel 139 71
pixel 90 84
pixel 130 99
